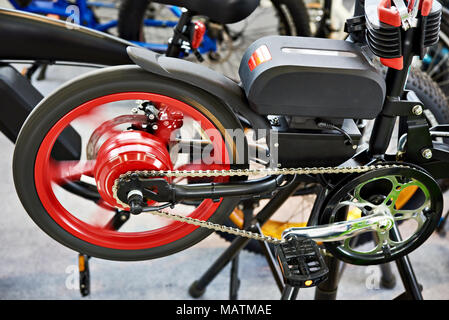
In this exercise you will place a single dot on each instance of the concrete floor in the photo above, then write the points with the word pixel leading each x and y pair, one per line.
pixel 36 267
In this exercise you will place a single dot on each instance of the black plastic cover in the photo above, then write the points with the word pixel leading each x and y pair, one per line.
pixel 312 77
pixel 27 36
pixel 18 97
pixel 317 148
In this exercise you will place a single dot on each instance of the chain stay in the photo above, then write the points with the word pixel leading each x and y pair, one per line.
pixel 144 174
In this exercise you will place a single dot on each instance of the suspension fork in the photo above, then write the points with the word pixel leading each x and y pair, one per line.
pixel 395 82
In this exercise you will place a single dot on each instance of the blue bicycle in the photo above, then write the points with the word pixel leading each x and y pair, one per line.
pixel 150 24
pixel 89 14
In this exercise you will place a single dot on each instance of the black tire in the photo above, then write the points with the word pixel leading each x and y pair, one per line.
pixel 132 14
pixel 85 88
pixel 430 94
pixel 296 11
pixel 130 19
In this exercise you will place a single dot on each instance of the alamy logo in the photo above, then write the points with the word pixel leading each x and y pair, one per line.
pixel 73 17
pixel 372 282
pixel 71 282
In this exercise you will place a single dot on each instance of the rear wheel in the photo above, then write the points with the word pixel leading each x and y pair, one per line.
pixel 115 139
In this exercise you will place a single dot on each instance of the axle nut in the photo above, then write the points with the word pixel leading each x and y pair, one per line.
pixel 427 154
pixel 417 110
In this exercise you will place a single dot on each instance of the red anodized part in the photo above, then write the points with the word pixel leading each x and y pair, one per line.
pixel 169 120
pixel 388 14
pixel 395 63
pixel 128 151
pixel 425 6
pixel 198 34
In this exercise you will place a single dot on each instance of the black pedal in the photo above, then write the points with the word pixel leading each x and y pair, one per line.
pixel 301 262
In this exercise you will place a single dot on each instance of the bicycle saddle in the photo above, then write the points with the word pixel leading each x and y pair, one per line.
pixel 221 11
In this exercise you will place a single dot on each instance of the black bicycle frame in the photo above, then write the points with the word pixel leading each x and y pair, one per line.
pixel 31 37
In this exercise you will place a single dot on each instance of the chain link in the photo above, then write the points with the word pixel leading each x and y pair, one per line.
pixel 145 174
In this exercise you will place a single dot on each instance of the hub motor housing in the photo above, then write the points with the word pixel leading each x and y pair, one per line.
pixel 128 151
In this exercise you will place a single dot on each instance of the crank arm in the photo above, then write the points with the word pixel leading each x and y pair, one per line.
pixel 338 231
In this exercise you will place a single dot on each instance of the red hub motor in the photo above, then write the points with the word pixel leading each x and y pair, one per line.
pixel 128 151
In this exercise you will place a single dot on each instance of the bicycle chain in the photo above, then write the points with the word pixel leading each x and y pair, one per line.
pixel 145 174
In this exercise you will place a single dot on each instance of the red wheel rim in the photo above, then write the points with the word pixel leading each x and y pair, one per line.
pixel 108 238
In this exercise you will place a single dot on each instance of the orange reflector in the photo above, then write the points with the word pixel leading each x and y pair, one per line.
pixel 54 16
pixel 308 283
pixel 81 263
pixel 261 55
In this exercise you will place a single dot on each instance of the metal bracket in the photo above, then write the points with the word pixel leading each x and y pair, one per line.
pixel 408 17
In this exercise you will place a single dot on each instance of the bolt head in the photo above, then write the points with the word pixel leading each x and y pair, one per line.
pixel 134 110
pixel 417 110
pixel 384 224
pixel 427 154
pixel 155 127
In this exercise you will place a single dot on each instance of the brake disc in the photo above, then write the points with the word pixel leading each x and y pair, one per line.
pixel 408 194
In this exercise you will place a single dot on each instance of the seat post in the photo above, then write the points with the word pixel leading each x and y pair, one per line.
pixel 179 34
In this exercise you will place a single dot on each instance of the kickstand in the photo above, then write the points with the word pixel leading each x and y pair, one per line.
pixel 412 287
pixel 42 75
pixel 29 72
pixel 247 208
pixel 289 293
pixel 115 223
pixel 235 281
